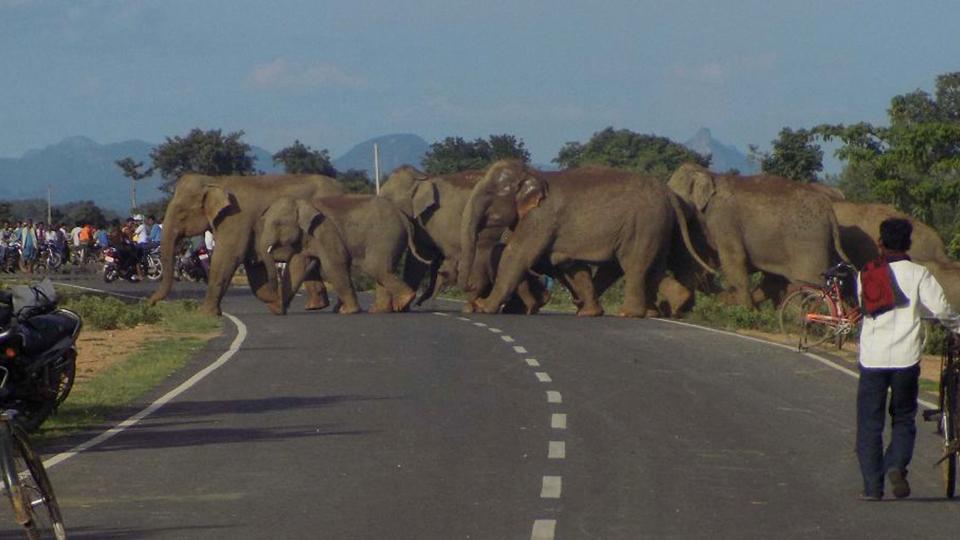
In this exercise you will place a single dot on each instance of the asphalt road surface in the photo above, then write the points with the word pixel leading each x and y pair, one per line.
pixel 430 425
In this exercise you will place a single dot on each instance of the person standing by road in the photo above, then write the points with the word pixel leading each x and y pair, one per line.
pixel 894 294
pixel 28 246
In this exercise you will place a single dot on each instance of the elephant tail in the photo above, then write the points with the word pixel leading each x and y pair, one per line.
pixel 685 232
pixel 837 245
pixel 408 224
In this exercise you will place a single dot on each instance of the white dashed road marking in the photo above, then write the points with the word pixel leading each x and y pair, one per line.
pixel 543 529
pixel 557 450
pixel 552 486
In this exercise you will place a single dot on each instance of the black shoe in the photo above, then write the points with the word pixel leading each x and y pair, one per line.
pixel 870 498
pixel 898 479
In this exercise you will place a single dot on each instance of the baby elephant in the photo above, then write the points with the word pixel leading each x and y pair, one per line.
pixel 340 231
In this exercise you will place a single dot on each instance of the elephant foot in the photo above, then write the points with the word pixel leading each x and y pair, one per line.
pixel 469 307
pixel 277 308
pixel 348 310
pixel 317 303
pixel 487 307
pixel 211 310
pixel 592 311
pixel 402 302
pixel 635 313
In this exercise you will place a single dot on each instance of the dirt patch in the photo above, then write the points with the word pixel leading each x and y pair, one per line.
pixel 98 350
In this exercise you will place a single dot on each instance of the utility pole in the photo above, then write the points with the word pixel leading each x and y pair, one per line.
pixel 49 204
pixel 376 166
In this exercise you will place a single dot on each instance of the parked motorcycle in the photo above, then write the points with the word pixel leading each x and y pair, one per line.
pixel 11 259
pixel 190 264
pixel 153 268
pixel 38 348
pixel 48 258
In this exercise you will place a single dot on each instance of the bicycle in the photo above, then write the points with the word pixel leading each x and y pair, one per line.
pixel 813 315
pixel 25 481
pixel 948 415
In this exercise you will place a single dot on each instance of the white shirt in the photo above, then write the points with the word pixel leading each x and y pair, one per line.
pixel 208 240
pixel 75 235
pixel 140 235
pixel 893 339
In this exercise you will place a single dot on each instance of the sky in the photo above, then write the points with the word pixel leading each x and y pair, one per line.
pixel 332 74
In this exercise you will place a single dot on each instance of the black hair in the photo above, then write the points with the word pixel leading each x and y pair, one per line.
pixel 895 234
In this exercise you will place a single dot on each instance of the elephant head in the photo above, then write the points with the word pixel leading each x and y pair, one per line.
pixel 506 193
pixel 285 229
pixel 198 204
pixel 694 184
pixel 410 190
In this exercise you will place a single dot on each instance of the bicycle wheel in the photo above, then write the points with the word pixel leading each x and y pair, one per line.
pixel 31 493
pixel 816 332
pixel 949 423
pixel 792 313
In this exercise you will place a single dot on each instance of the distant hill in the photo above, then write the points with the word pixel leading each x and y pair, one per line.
pixel 395 150
pixel 725 157
pixel 79 168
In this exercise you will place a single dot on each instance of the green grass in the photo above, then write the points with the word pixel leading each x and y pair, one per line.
pixel 93 401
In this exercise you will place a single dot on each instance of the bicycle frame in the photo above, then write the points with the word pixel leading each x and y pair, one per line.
pixel 843 317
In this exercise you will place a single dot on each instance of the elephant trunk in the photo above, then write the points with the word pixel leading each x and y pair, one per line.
pixel 476 208
pixel 685 232
pixel 168 245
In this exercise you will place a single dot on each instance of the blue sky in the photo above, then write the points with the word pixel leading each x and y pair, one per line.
pixel 334 73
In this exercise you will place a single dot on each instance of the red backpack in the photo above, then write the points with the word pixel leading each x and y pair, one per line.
pixel 878 288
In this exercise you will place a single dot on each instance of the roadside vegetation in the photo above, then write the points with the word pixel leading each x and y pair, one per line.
pixel 125 351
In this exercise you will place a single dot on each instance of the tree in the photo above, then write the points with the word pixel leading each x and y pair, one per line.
pixel 914 163
pixel 625 149
pixel 356 181
pixel 795 156
pixel 81 211
pixel 300 159
pixel 6 212
pixel 131 169
pixel 454 154
pixel 204 152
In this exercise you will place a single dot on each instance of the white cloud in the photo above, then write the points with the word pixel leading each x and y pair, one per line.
pixel 282 74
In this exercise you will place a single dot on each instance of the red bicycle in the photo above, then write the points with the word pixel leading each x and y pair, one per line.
pixel 811 315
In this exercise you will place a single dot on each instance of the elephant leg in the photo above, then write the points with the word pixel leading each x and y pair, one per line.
pixel 401 295
pixel 733 264
pixel 773 287
pixel 580 281
pixel 673 297
pixel 436 282
pixel 305 270
pixel 263 287
pixel 642 265
pixel 523 250
pixel 338 272
pixel 382 302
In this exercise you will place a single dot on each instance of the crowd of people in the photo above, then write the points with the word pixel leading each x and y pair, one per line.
pixel 22 243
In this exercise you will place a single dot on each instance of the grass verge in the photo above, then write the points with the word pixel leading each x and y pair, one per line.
pixel 177 333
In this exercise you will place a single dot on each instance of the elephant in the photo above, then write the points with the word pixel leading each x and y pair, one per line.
pixel 231 206
pixel 339 231
pixel 761 223
pixel 436 206
pixel 586 215
pixel 860 234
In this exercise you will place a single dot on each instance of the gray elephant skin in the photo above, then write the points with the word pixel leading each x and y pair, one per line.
pixel 339 232
pixel 231 206
pixel 436 206
pixel 761 223
pixel 587 215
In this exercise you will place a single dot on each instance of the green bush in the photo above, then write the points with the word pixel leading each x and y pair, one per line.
pixel 711 311
pixel 107 313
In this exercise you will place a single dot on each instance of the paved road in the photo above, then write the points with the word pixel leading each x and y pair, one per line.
pixel 429 426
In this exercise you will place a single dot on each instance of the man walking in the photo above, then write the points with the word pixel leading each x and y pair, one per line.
pixel 894 293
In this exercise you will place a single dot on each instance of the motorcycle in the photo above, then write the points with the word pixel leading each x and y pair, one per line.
pixel 11 260
pixel 38 349
pixel 190 265
pixel 114 267
pixel 48 258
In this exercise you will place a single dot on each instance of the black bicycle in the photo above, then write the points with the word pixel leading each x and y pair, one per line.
pixel 948 415
pixel 25 481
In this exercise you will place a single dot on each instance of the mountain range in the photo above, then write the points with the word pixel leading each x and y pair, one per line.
pixel 78 168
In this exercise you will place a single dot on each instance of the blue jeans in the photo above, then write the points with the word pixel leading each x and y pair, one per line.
pixel 871 416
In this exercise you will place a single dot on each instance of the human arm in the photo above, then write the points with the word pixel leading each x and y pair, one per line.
pixel 933 298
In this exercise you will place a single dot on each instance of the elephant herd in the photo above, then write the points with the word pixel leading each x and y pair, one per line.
pixel 494 232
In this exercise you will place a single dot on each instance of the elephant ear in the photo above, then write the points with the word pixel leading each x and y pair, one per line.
pixel 308 217
pixel 216 201
pixel 424 198
pixel 704 188
pixel 529 195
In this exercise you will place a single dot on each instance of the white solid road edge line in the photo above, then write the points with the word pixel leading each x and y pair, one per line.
pixel 809 355
pixel 163 400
